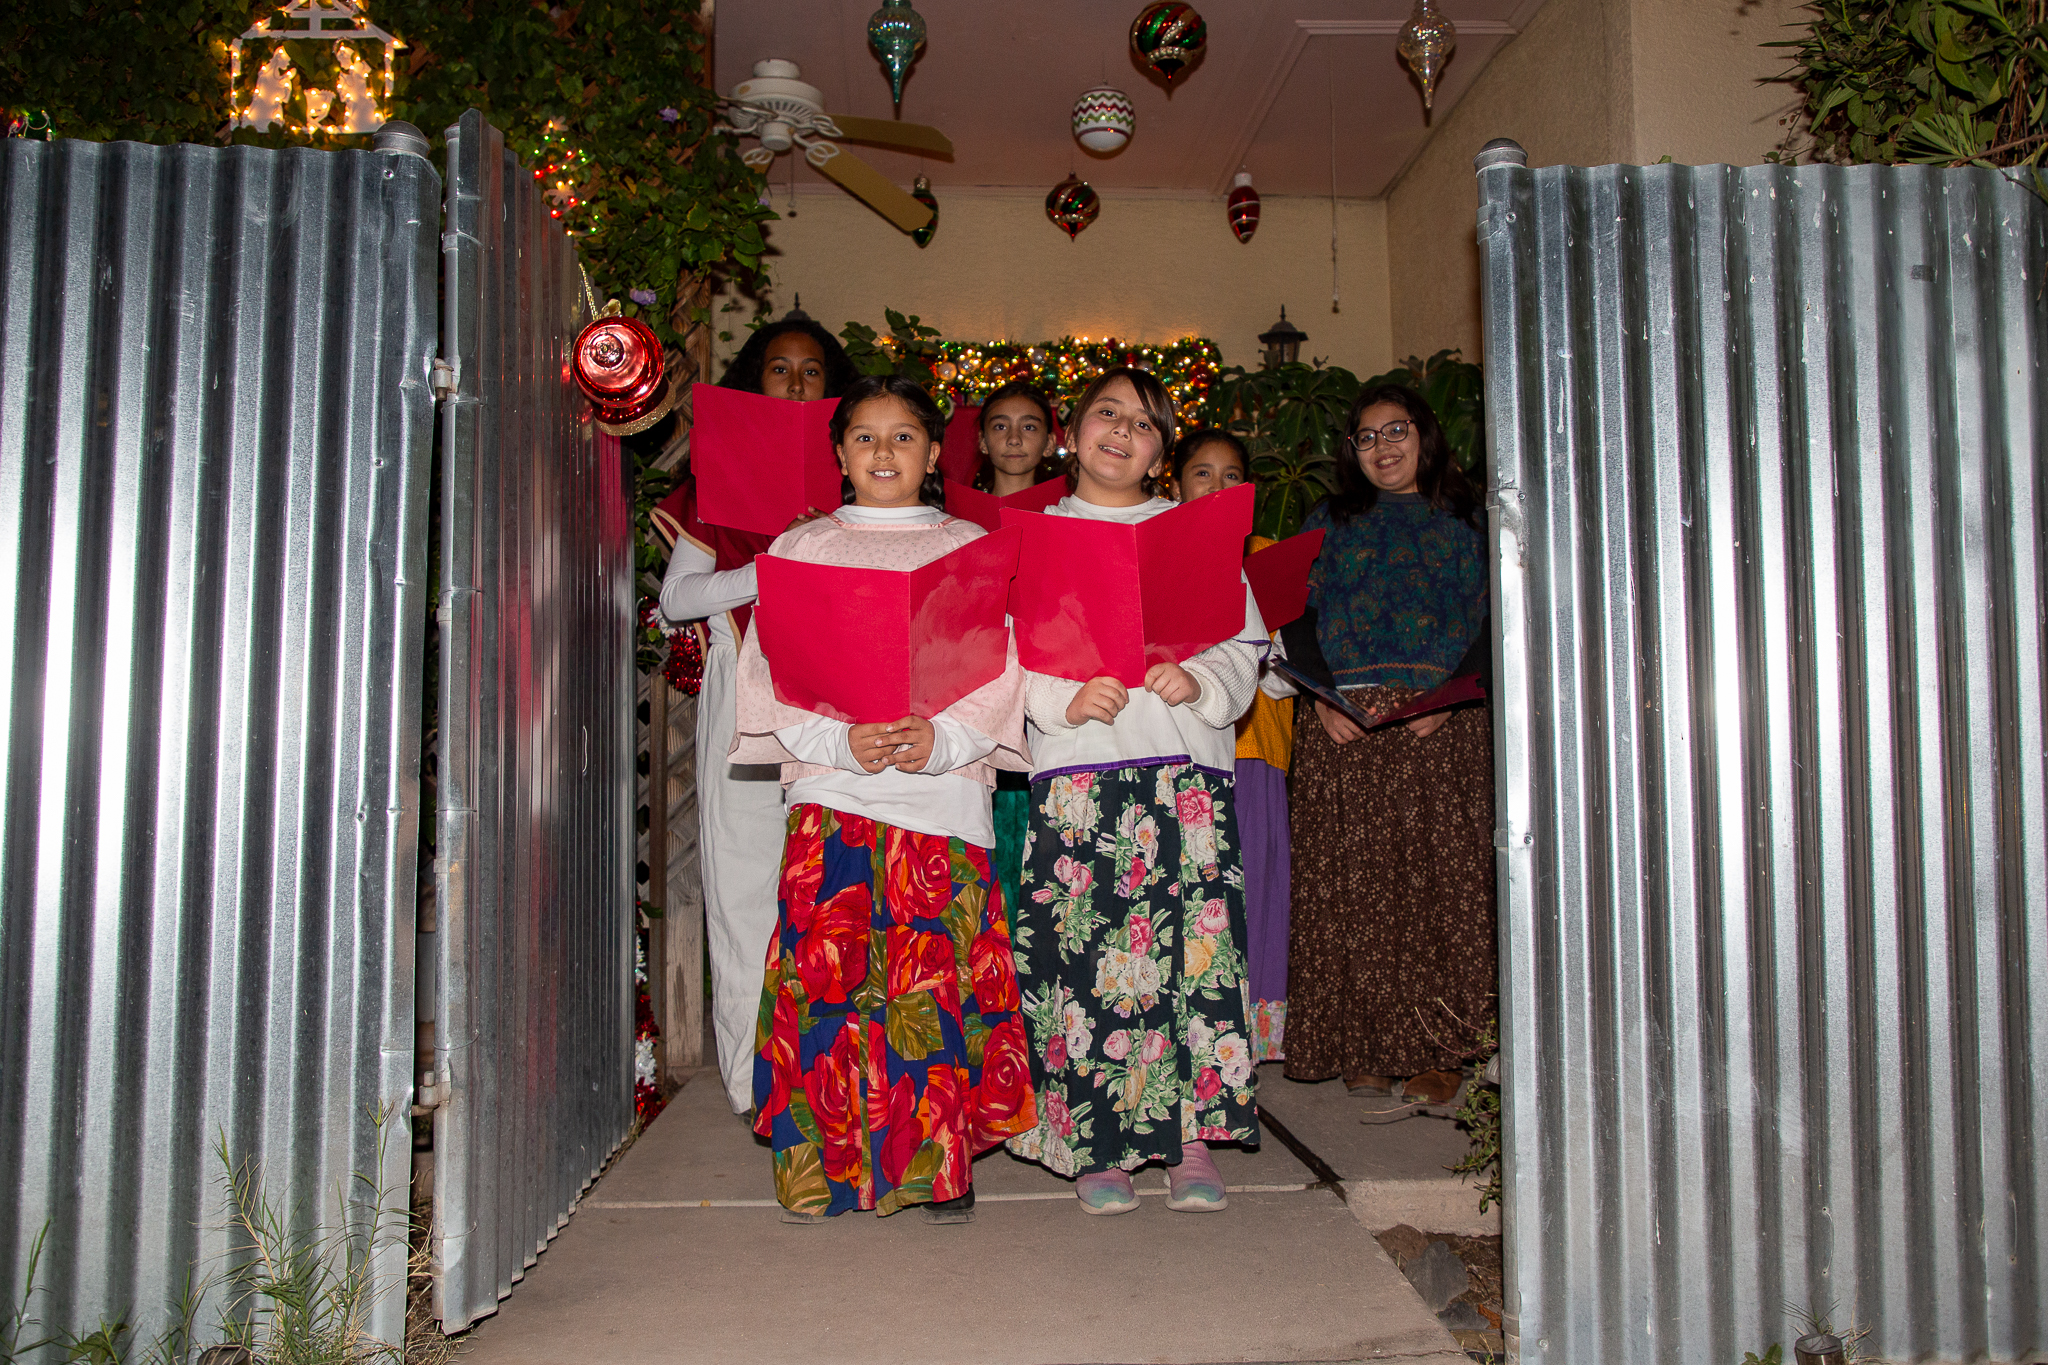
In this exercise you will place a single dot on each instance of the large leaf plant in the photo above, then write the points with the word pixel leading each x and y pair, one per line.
pixel 1929 82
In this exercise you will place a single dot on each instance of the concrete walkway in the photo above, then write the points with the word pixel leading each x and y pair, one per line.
pixel 677 1254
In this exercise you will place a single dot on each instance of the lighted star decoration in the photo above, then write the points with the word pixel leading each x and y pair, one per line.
pixel 354 105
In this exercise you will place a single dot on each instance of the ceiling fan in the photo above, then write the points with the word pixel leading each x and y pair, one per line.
pixel 776 106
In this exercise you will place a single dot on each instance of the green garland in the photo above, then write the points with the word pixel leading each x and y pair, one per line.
pixel 661 198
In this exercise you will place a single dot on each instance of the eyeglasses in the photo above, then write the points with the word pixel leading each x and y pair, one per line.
pixel 1365 438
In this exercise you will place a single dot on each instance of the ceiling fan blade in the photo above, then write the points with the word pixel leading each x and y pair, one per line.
pixel 880 193
pixel 881 132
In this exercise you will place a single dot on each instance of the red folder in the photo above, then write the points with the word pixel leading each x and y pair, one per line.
pixel 761 462
pixel 863 645
pixel 1279 577
pixel 1096 598
pixel 960 450
pixel 1452 692
pixel 986 509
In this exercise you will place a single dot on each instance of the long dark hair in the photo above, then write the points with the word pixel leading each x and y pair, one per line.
pixel 1049 463
pixel 932 491
pixel 1437 476
pixel 745 370
pixel 1153 398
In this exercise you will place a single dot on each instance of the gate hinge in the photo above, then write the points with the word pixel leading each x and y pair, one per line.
pixel 429 1096
pixel 442 379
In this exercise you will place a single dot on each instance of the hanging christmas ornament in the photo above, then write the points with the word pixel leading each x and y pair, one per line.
pixel 921 191
pixel 1426 44
pixel 618 366
pixel 896 32
pixel 1072 205
pixel 1104 119
pixel 1243 207
pixel 1169 35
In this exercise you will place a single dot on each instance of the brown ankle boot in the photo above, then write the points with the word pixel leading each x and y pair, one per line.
pixel 1432 1087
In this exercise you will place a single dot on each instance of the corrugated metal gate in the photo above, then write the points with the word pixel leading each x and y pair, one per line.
pixel 535 875
pixel 215 433
pixel 216 429
pixel 1770 473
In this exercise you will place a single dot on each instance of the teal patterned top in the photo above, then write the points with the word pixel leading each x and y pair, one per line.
pixel 1399 592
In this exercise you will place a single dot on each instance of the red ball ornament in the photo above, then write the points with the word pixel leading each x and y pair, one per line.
pixel 1244 207
pixel 1072 205
pixel 618 366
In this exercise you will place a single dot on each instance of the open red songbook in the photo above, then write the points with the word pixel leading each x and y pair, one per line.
pixel 1103 599
pixel 863 645
pixel 1279 577
pixel 986 509
pixel 761 462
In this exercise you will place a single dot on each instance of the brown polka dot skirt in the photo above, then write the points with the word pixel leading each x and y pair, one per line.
pixel 1391 945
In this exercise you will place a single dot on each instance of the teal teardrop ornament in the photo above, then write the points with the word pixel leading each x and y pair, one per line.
pixel 896 32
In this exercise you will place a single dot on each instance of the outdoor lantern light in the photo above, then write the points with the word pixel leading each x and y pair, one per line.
pixel 1283 343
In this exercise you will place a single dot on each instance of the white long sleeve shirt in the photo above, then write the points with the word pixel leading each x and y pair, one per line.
pixel 695 588
pixel 1148 732
pixel 937 800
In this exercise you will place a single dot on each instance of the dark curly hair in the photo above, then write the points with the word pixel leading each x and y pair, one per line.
pixel 1153 400
pixel 1049 465
pixel 932 491
pixel 745 370
pixel 1437 476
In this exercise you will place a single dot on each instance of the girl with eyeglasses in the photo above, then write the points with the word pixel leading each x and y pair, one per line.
pixel 1391 933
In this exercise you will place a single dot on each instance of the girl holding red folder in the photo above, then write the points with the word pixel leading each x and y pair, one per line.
pixel 890 1048
pixel 1209 461
pixel 1017 431
pixel 1391 954
pixel 711 578
pixel 1130 931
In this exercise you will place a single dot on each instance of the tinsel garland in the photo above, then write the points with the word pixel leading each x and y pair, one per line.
pixel 969 370
pixel 647 1097
pixel 677 650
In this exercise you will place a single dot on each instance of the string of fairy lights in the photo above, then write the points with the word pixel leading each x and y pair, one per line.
pixel 970 370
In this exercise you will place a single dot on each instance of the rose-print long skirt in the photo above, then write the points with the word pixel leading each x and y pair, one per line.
pixel 890 1050
pixel 1129 941
pixel 1390 960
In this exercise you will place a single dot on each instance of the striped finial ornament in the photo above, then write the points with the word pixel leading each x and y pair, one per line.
pixel 1243 207
pixel 1072 205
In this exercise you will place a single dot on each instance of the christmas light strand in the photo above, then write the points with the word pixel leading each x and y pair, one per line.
pixel 970 370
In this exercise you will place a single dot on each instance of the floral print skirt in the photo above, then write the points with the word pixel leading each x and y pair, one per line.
pixel 1129 939
pixel 889 1051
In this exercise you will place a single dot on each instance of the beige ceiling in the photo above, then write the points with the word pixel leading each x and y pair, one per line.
pixel 1298 93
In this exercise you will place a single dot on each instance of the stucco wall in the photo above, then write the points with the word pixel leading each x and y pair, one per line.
pixel 1589 82
pixel 1149 269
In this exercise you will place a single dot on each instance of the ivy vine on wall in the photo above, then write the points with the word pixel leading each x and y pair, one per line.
pixel 661 199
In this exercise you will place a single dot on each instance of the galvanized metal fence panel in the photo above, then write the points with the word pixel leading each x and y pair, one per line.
pixel 535 876
pixel 1770 482
pixel 215 429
